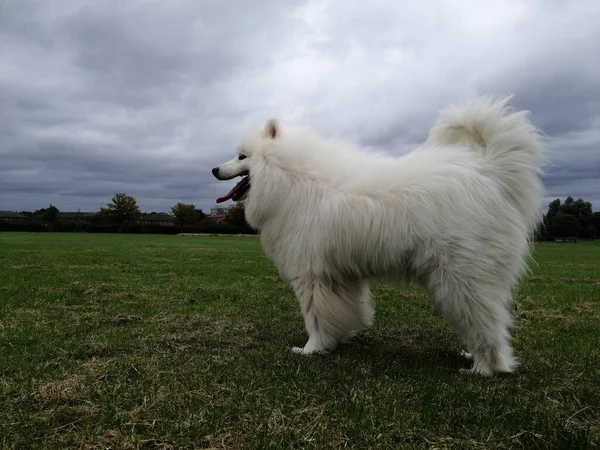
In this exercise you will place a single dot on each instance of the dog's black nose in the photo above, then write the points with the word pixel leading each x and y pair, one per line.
pixel 215 172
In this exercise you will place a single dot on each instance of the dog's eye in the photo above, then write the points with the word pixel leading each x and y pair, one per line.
pixel 242 157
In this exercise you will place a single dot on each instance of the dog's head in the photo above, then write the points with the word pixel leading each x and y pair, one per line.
pixel 248 153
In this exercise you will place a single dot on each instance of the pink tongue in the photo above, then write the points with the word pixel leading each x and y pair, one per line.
pixel 227 196
pixel 233 191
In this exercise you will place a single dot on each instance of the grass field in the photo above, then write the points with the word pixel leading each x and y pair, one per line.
pixel 132 341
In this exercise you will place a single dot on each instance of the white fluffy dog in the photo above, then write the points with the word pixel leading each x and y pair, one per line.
pixel 456 215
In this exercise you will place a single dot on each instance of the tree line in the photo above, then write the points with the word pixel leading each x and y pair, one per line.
pixel 123 215
pixel 571 220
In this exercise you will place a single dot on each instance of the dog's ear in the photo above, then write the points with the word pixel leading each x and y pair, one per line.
pixel 272 129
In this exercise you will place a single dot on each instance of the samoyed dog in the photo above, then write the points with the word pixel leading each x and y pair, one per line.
pixel 456 215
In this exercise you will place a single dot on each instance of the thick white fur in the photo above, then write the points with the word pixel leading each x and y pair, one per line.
pixel 456 215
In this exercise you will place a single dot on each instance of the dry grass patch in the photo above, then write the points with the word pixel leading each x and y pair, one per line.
pixel 169 275
pixel 449 442
pixel 565 280
pixel 7 323
pixel 60 391
pixel 115 439
pixel 29 266
pixel 590 308
pixel 96 366
pixel 70 415
pixel 220 339
pixel 122 320
pixel 94 350
pixel 547 314
pixel 61 266
pixel 110 439
pixel 224 441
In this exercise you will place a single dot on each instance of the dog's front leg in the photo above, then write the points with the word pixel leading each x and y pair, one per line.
pixel 333 311
pixel 316 301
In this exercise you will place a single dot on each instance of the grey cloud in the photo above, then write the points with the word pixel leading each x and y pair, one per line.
pixel 145 97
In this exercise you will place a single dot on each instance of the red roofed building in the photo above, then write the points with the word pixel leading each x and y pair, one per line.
pixel 220 213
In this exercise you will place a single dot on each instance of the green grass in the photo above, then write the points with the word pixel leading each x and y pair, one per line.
pixel 129 341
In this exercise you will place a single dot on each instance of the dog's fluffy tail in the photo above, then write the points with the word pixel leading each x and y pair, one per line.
pixel 507 140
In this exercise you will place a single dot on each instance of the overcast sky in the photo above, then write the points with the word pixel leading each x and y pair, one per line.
pixel 145 97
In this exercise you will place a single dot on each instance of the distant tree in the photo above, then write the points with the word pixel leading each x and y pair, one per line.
pixel 50 217
pixel 198 217
pixel 573 218
pixel 121 209
pixel 595 223
pixel 564 225
pixel 545 231
pixel 582 212
pixel 185 214
pixel 553 209
pixel 237 220
pixel 542 233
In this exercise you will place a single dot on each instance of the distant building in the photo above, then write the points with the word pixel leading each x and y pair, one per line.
pixel 220 213
pixel 9 216
pixel 219 210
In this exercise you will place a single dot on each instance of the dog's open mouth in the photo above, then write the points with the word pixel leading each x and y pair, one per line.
pixel 238 191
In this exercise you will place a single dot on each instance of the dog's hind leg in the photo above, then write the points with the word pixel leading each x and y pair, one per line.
pixel 332 310
pixel 479 315
pixel 360 294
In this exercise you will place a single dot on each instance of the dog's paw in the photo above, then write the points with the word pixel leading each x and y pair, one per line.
pixel 304 351
pixel 348 337
pixel 475 371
